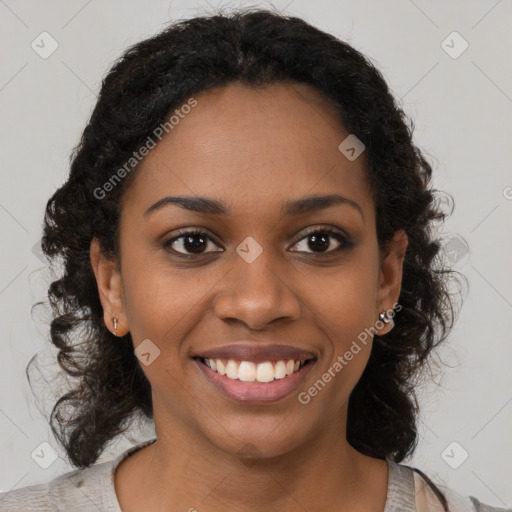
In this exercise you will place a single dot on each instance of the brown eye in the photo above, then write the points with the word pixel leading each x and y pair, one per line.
pixel 323 241
pixel 190 243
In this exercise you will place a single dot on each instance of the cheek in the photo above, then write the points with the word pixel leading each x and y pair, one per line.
pixel 347 297
pixel 344 311
pixel 158 308
pixel 164 305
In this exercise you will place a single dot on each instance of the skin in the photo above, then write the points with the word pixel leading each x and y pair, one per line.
pixel 253 150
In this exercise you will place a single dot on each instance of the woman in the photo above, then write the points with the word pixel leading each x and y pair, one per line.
pixel 247 246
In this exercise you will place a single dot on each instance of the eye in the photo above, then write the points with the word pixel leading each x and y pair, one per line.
pixel 193 240
pixel 320 241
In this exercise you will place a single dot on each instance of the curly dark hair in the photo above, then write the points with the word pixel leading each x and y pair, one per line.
pixel 257 48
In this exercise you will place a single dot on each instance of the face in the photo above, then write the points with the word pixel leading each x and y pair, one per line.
pixel 258 272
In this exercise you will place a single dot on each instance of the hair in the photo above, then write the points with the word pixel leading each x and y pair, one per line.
pixel 256 48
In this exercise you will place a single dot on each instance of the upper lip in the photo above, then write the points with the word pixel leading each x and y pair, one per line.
pixel 257 353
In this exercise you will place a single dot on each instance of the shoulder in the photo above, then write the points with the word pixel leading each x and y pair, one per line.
pixel 78 490
pixel 81 490
pixel 427 501
pixel 34 497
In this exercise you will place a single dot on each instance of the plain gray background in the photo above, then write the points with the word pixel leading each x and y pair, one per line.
pixel 461 103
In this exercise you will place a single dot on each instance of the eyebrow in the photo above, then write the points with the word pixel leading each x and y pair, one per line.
pixel 213 207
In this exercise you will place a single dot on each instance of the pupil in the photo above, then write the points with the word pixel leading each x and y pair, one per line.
pixel 194 243
pixel 191 246
pixel 319 241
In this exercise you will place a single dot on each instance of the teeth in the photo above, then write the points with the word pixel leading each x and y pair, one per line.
pixel 247 371
pixel 265 372
pixel 220 367
pixel 232 369
pixel 280 370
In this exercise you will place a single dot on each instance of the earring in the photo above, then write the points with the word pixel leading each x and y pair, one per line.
pixel 387 319
pixel 114 320
pixel 383 317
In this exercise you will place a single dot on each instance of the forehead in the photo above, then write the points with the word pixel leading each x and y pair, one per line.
pixel 251 148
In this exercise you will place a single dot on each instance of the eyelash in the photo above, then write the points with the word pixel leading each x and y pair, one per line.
pixel 345 242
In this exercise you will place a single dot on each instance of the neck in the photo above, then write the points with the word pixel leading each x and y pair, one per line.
pixel 185 471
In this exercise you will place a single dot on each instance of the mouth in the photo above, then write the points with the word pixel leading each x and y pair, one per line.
pixel 252 381
pixel 249 371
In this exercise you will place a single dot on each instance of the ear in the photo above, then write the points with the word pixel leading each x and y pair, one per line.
pixel 390 275
pixel 110 289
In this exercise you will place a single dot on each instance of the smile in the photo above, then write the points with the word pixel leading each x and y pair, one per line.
pixel 252 383
pixel 248 371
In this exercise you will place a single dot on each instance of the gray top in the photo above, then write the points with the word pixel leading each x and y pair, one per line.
pixel 92 489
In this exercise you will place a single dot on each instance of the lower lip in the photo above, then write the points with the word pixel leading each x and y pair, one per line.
pixel 255 392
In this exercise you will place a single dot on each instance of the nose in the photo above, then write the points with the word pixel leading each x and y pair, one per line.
pixel 257 293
